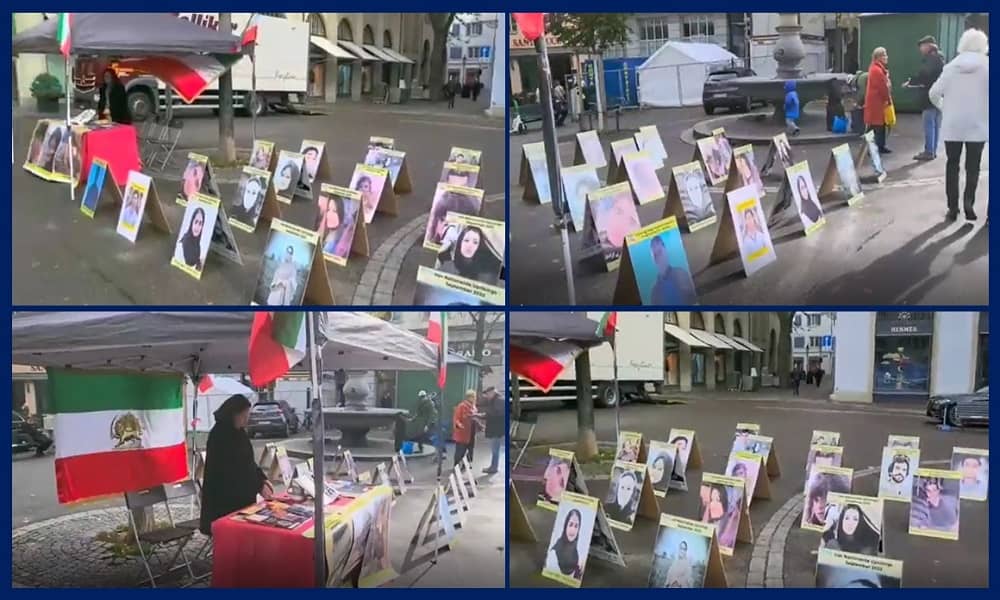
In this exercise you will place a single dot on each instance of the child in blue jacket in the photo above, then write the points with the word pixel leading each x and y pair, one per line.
pixel 791 108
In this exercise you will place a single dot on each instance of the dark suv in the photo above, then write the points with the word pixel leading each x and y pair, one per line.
pixel 718 93
pixel 272 419
pixel 25 437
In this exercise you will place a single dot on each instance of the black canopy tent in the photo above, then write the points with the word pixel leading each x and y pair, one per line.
pixel 124 35
pixel 575 327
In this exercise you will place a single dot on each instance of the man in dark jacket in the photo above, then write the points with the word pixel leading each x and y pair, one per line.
pixel 931 66
pixel 114 99
pixel 496 426
pixel 340 380
pixel 424 421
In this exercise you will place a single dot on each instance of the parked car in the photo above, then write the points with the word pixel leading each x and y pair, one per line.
pixel 960 410
pixel 272 419
pixel 719 93
pixel 25 436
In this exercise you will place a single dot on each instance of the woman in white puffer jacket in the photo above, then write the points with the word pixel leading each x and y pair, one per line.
pixel 963 95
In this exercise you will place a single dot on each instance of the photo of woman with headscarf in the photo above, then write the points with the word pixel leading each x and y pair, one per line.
pixel 569 543
pixel 660 465
pixel 806 203
pixel 287 173
pixel 192 245
pixel 449 199
pixel 622 499
pixel 470 256
pixel 249 199
pixel 850 529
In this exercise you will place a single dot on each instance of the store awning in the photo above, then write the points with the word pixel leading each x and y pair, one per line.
pixel 683 336
pixel 330 48
pixel 357 51
pixel 732 341
pixel 399 57
pixel 378 52
pixel 710 339
pixel 753 347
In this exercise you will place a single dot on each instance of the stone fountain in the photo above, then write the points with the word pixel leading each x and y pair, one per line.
pixel 355 419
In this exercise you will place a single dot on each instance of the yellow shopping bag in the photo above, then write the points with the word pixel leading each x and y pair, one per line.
pixel 890 115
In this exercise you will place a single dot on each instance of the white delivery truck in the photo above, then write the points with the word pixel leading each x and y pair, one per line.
pixel 639 343
pixel 281 53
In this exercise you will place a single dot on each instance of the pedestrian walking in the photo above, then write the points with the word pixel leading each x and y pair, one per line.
pixel 477 86
pixel 931 66
pixel 820 372
pixel 797 375
pixel 962 93
pixel 451 89
pixel 496 427
pixel 559 109
pixel 792 109
pixel 878 98
pixel 340 380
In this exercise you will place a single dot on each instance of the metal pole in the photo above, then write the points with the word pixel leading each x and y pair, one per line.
pixel 618 398
pixel 319 472
pixel 253 98
pixel 69 127
pixel 553 162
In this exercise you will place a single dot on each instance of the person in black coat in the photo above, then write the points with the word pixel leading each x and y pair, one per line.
pixel 232 477
pixel 114 99
pixel 496 427
pixel 931 66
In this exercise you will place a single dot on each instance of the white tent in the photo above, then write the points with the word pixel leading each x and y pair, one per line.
pixel 675 74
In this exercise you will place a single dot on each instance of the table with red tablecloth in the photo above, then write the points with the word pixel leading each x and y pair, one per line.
pixel 116 145
pixel 252 555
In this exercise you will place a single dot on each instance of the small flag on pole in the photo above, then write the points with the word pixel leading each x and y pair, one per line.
pixel 250 33
pixel 608 325
pixel 437 333
pixel 277 343
pixel 63 34
pixel 532 25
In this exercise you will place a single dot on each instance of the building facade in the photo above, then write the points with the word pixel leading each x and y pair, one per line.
pixel 812 340
pixel 903 354
pixel 649 31
pixel 352 55
pixel 471 42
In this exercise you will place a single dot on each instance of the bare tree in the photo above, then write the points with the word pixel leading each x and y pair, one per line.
pixel 227 128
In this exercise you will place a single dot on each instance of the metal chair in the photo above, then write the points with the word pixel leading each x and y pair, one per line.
pixel 191 489
pixel 520 446
pixel 166 537
pixel 166 144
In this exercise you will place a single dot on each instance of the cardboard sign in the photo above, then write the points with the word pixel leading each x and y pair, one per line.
pixel 569 542
pixel 472 247
pixel 350 466
pixel 764 446
pixel 629 447
pixel 640 169
pixel 519 527
pixel 715 154
pixel 462 174
pixel 407 477
pixel 437 288
pixel 395 162
pixel 870 150
pixel 686 555
pixel 314 166
pixel 97 184
pixel 562 473
pixel 803 191
pixel 140 199
pixel 449 199
pixel 457 500
pixel 840 180
pixel 824 438
pixel 629 495
pixel 376 196
pixel 743 231
pixel 974 466
pixel 396 476
pixel 588 150
pixel 779 150
pixel 935 504
pixel 828 456
pixel 198 178
pixel 648 138
pixel 287 175
pixel 578 182
pixel 193 240
pixel 465 155
pixel 381 142
pixel 822 480
pixel 470 477
pixel 537 187
pixel 223 240
pixel 528 153
pixel 255 199
pixel 688 456
pixel 340 224
pixel 619 148
pixel 292 271
pixel 743 171
pixel 54 152
pixel 688 198
pixel 609 217
pixel 654 270
pixel 262 155
pixel 747 466
pixel 724 505
pixel 276 465
pixel 836 569
pixel 603 545
pixel 660 466
pixel 436 531
pixel 854 524
pixel 903 441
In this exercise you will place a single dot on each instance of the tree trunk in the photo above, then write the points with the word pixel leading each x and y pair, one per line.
pixel 440 24
pixel 586 440
pixel 227 130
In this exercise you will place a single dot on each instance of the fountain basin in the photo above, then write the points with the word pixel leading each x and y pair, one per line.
pixel 355 423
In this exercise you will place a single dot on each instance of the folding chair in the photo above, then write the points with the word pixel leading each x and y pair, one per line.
pixel 166 537
pixel 150 135
pixel 191 489
pixel 528 420
pixel 166 144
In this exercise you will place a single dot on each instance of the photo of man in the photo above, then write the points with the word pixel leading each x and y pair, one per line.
pixel 642 175
pixel 974 465
pixel 660 466
pixel 898 467
pixel 680 558
pixel 752 236
pixel 695 196
pixel 569 543
pixel 934 507
pixel 622 499
pixel 464 156
pixel 578 182
pixel 660 265
pixel 95 185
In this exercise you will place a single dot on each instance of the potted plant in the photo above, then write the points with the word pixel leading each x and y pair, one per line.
pixel 47 92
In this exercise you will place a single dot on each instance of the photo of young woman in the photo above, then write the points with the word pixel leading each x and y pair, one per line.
pixel 471 256
pixel 622 499
pixel 555 479
pixel 466 201
pixel 329 221
pixel 614 217
pixel 287 173
pixel 249 199
pixel 369 182
pixel 745 466
pixel 680 559
pixel 804 193
pixel 260 155
pixel 311 153
pixel 849 528
pixel 191 180
pixel 747 168
pixel 660 465
pixel 53 139
pixel 720 506
pixel 195 235
pixel 818 486
pixel 569 544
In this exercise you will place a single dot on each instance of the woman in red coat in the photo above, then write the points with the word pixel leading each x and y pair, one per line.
pixel 878 96
pixel 463 426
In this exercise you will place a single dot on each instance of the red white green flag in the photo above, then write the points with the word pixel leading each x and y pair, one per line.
pixel 277 343
pixel 64 34
pixel 189 75
pixel 437 333
pixel 543 361
pixel 250 33
pixel 116 432
pixel 608 325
